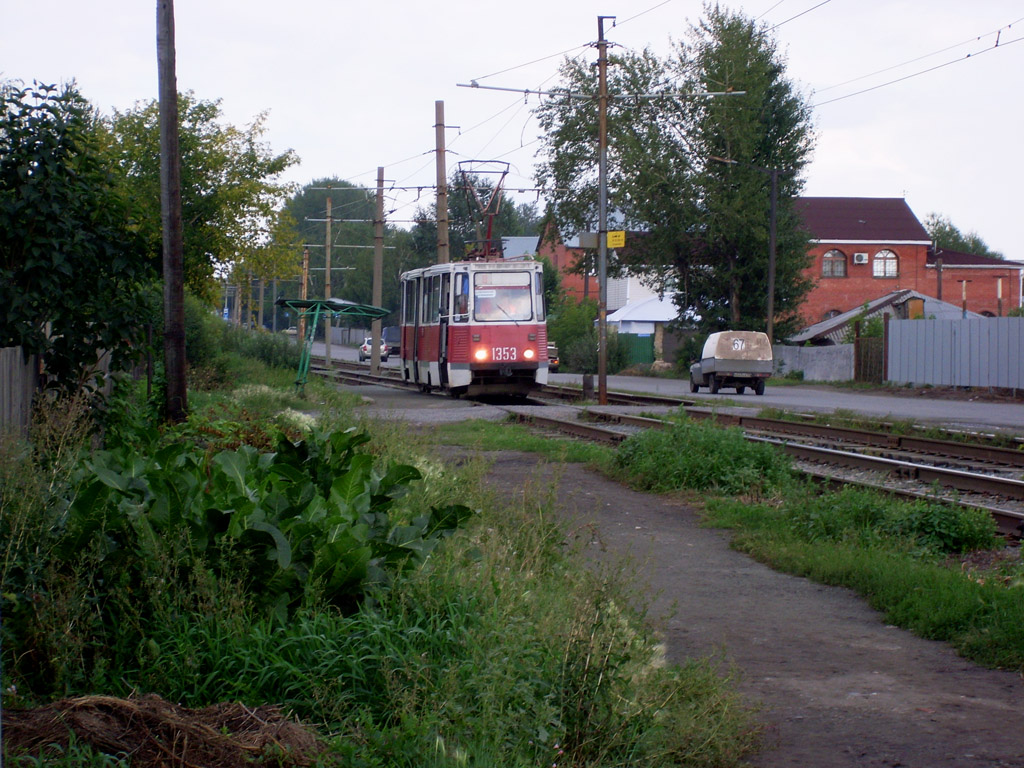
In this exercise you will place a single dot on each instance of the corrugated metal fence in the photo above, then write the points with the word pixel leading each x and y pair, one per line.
pixel 986 352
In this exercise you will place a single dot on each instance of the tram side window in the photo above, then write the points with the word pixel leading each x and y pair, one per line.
pixel 538 297
pixel 435 298
pixel 425 300
pixel 446 296
pixel 461 314
pixel 409 302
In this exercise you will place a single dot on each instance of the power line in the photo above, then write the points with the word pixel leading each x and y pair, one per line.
pixel 922 72
pixel 925 56
pixel 802 13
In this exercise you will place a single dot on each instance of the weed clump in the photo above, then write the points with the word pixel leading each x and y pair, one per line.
pixel 697 455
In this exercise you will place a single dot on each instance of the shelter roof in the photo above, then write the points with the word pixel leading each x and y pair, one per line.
pixel 650 310
pixel 833 330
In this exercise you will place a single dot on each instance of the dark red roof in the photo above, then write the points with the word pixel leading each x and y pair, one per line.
pixel 961 259
pixel 861 219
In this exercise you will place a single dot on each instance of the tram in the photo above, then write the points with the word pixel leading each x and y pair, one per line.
pixel 475 328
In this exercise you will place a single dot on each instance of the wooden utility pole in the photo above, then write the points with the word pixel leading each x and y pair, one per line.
pixel 443 255
pixel 378 269
pixel 176 396
pixel 327 285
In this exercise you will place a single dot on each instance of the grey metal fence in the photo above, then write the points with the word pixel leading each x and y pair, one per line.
pixel 986 352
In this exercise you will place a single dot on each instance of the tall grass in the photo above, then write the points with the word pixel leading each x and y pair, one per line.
pixel 701 456
pixel 502 650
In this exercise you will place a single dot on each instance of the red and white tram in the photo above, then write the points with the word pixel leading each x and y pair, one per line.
pixel 475 327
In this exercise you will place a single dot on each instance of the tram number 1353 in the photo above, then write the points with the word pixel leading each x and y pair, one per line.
pixel 504 354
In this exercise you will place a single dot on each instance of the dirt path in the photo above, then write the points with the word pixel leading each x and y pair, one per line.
pixel 836 685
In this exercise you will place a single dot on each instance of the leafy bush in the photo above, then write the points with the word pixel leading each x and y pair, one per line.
pixel 698 455
pixel 310 521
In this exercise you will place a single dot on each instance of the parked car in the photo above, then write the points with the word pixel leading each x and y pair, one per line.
pixel 292 331
pixel 366 350
pixel 552 358
pixel 392 336
pixel 737 359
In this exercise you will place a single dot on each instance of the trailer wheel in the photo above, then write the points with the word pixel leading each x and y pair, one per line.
pixel 759 387
pixel 740 390
pixel 715 383
pixel 694 387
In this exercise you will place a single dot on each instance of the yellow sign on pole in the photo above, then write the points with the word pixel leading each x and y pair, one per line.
pixel 616 239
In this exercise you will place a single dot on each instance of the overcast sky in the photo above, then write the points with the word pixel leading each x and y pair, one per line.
pixel 912 98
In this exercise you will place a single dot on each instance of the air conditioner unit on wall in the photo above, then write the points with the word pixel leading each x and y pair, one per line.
pixel 860 258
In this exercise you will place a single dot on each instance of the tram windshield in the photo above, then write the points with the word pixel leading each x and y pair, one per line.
pixel 502 296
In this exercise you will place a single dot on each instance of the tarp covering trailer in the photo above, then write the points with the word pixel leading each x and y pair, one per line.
pixel 738 359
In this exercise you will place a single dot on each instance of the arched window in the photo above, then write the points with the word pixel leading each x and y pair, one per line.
pixel 830 314
pixel 885 264
pixel 833 264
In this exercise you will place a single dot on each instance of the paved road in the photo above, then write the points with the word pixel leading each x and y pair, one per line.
pixel 956 414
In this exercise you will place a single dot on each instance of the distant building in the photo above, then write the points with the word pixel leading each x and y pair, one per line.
pixel 864 248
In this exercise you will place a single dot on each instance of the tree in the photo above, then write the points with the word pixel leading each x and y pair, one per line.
pixel 353 209
pixel 946 235
pixel 229 186
pixel 466 226
pixel 74 276
pixel 703 224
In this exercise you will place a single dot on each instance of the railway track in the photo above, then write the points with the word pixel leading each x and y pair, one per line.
pixel 988 477
pixel 1000 496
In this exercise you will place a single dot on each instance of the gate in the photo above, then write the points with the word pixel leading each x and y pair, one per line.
pixel 638 349
pixel 868 356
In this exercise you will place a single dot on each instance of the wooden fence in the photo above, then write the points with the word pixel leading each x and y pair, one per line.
pixel 18 380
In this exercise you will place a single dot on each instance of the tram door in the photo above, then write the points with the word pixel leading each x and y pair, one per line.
pixel 444 318
pixel 412 319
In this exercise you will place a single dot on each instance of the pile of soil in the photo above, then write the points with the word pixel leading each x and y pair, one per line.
pixel 154 732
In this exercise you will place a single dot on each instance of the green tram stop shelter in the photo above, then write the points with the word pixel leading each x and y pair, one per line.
pixel 312 310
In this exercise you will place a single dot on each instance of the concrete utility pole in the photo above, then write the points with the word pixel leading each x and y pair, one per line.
pixel 378 270
pixel 327 285
pixel 304 293
pixel 443 255
pixel 602 212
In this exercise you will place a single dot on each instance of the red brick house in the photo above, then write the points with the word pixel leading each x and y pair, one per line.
pixel 564 256
pixel 863 247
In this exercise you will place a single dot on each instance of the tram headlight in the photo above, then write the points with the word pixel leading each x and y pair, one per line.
pixel 480 354
pixel 529 354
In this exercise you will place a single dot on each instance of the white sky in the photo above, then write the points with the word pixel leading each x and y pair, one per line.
pixel 351 84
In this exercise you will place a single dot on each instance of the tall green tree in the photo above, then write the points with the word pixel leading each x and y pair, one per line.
pixel 353 209
pixel 230 185
pixel 766 129
pixel 468 197
pixel 947 235
pixel 703 223
pixel 74 275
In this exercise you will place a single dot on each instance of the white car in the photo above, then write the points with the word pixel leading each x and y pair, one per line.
pixel 366 350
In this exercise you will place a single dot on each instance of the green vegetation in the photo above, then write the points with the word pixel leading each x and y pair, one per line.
pixel 261 555
pixel 700 456
pixel 903 556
